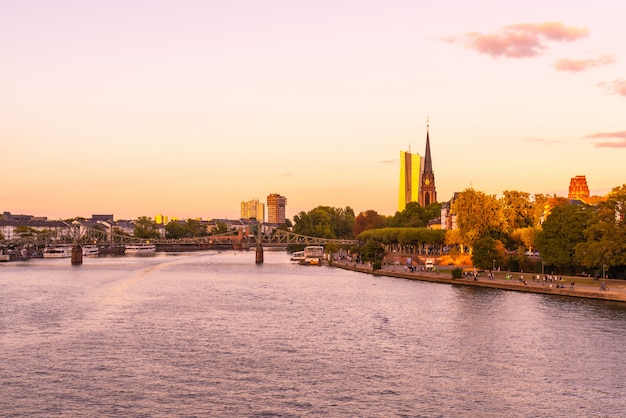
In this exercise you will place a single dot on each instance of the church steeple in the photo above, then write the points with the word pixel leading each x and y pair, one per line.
pixel 428 192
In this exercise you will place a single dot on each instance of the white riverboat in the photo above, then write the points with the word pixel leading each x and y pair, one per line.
pixel 313 255
pixel 58 251
pixel 297 256
pixel 91 250
pixel 138 249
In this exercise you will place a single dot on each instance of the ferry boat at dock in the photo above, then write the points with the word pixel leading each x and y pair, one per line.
pixel 297 256
pixel 313 255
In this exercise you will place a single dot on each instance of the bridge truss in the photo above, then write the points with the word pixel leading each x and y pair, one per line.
pixel 88 235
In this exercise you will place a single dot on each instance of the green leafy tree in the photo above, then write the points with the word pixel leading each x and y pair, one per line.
pixel 325 222
pixel 539 207
pixel 605 242
pixel 195 228
pixel 488 252
pixel 369 219
pixel 372 251
pixel 175 230
pixel 517 209
pixel 220 228
pixel 146 228
pixel 526 237
pixel 562 231
pixel 478 215
pixel 415 216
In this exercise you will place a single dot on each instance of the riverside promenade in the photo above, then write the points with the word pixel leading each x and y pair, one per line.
pixel 615 290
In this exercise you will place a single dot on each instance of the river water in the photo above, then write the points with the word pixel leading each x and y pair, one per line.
pixel 214 334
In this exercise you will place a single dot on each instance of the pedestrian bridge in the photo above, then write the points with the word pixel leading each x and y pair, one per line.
pixel 239 240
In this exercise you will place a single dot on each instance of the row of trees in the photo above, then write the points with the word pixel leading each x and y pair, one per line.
pixel 341 223
pixel 147 228
pixel 572 237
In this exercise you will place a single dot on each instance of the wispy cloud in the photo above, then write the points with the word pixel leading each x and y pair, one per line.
pixel 389 161
pixel 543 141
pixel 575 66
pixel 615 87
pixel 608 139
pixel 520 40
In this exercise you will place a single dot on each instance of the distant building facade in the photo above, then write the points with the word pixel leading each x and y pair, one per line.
pixel 410 179
pixel 276 205
pixel 448 219
pixel 253 209
pixel 578 188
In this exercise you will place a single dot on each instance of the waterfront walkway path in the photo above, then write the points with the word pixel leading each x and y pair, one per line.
pixel 583 287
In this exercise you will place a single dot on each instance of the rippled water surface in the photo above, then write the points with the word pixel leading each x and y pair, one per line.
pixel 214 334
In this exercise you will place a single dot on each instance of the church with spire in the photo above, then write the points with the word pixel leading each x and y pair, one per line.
pixel 428 191
pixel 417 178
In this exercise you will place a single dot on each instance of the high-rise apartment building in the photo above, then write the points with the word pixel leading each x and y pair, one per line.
pixel 276 208
pixel 253 209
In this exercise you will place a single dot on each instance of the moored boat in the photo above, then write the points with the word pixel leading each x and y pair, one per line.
pixel 313 255
pixel 297 256
pixel 58 251
pixel 91 250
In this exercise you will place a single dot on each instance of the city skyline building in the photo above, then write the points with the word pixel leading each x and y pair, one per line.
pixel 417 178
pixel 410 178
pixel 253 209
pixel 428 191
pixel 578 188
pixel 276 205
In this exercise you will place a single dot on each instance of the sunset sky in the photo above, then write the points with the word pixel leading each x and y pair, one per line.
pixel 186 108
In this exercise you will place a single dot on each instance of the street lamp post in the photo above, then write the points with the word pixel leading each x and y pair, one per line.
pixel 542 267
pixel 603 269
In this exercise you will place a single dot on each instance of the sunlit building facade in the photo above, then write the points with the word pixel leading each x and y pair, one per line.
pixel 276 205
pixel 253 209
pixel 410 178
pixel 417 178
pixel 578 188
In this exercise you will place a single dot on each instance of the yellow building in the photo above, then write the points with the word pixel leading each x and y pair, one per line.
pixel 253 209
pixel 410 179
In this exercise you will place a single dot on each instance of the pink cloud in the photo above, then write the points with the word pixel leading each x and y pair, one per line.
pixel 616 139
pixel 522 40
pixel 567 64
pixel 616 87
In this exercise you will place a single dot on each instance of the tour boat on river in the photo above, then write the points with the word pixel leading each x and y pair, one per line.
pixel 140 249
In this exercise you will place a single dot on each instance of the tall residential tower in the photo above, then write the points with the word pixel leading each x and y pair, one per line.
pixel 276 208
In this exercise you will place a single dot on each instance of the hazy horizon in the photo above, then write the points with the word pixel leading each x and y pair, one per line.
pixel 187 109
